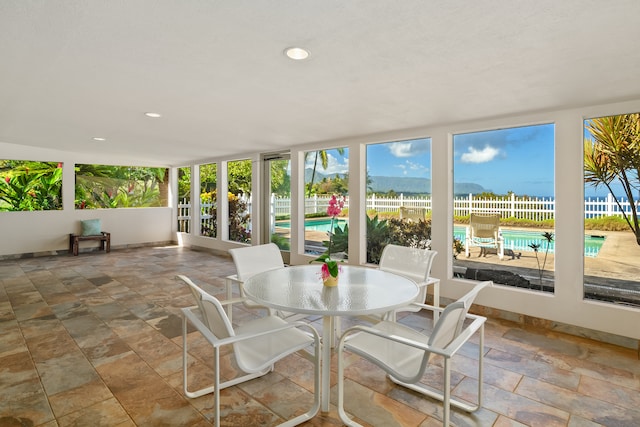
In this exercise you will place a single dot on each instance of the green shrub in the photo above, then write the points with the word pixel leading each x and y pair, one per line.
pixel 281 241
pixel 606 223
pixel 414 234
pixel 377 238
pixel 238 218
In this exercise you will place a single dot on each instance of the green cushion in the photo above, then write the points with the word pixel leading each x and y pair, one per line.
pixel 91 227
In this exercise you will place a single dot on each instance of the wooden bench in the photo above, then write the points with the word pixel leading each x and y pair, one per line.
pixel 75 239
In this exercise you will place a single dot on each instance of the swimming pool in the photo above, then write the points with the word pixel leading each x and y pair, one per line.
pixel 516 240
pixel 316 224
pixel 519 240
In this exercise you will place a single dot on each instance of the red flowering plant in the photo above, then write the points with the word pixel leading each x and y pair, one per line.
pixel 330 267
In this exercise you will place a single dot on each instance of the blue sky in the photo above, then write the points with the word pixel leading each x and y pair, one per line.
pixel 515 159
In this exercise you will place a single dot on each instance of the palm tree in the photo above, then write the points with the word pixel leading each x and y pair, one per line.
pixel 613 155
pixel 324 159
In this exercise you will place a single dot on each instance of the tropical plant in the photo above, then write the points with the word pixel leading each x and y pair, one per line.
pixel 458 247
pixel 377 238
pixel 323 156
pixel 281 241
pixel 104 186
pixel 548 238
pixel 238 217
pixel 414 234
pixel 239 176
pixel 280 179
pixel 612 155
pixel 30 186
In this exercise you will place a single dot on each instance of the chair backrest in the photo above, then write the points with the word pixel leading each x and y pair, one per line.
pixel 412 214
pixel 451 320
pixel 212 312
pixel 484 226
pixel 411 262
pixel 251 260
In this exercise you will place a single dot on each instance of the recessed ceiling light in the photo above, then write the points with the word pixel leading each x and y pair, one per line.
pixel 296 53
pixel 99 138
pixel 153 115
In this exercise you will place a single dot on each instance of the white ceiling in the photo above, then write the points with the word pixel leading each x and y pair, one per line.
pixel 73 70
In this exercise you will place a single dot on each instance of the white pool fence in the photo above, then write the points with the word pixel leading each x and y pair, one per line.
pixel 534 209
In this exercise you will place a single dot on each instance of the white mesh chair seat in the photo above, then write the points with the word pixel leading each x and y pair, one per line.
pixel 261 351
pixel 252 260
pixel 415 264
pixel 257 345
pixel 404 353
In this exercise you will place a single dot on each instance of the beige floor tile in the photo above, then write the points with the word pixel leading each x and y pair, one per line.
pixel 96 340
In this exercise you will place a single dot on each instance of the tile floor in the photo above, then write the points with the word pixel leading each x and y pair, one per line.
pixel 95 340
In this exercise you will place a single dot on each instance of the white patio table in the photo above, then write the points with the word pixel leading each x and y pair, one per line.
pixel 360 291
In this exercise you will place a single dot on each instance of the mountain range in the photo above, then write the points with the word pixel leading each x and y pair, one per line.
pixel 407 185
pixel 404 185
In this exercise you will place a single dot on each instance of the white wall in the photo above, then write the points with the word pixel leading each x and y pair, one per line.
pixel 48 231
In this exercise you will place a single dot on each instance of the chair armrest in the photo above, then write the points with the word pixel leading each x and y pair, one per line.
pixel 428 307
pixel 466 333
pixel 396 338
pixel 449 351
pixel 246 336
pixel 232 301
pixel 216 342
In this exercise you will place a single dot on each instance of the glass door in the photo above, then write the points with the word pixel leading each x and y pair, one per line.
pixel 276 193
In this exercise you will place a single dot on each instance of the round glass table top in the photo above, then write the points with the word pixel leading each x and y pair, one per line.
pixel 360 290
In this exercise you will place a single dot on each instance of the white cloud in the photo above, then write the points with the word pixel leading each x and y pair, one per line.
pixel 474 155
pixel 409 148
pixel 403 168
pixel 408 165
pixel 334 164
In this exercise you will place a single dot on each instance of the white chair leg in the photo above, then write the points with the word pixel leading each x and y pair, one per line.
pixel 229 287
pixel 446 413
pixel 341 413
pixel 316 391
pixel 436 300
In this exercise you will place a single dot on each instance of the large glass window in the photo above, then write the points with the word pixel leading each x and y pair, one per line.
pixel 612 202
pixel 239 197
pixel 208 206
pixel 278 224
pixel 398 195
pixel 30 186
pixel 504 206
pixel 184 199
pixel 103 186
pixel 326 174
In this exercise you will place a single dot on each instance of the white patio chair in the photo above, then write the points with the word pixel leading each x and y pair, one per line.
pixel 251 260
pixel 415 264
pixel 257 345
pixel 413 214
pixel 483 231
pixel 404 353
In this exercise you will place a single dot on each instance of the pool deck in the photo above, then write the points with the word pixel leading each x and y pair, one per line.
pixel 617 264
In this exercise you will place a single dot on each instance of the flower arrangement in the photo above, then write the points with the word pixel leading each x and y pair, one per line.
pixel 330 269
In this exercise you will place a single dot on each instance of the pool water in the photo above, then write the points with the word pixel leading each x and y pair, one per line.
pixel 316 224
pixel 516 240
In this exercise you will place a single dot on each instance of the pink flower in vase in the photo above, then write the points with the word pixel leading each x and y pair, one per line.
pixel 330 267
